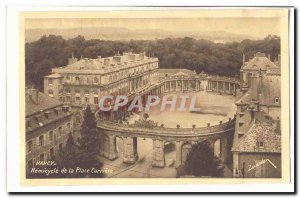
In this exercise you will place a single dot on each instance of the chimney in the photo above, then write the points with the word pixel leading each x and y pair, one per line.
pixel 34 95
pixel 278 128
pixel 243 59
pixel 72 60
pixel 254 88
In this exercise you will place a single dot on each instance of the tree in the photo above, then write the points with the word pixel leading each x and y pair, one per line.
pixel 90 137
pixel 73 156
pixel 202 162
pixel 214 58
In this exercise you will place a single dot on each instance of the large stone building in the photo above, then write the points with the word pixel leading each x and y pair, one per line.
pixel 84 81
pixel 257 130
pixel 48 124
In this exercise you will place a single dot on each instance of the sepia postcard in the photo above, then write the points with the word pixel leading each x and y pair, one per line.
pixel 153 96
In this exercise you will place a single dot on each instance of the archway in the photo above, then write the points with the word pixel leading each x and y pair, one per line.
pixel 170 153
pixel 185 149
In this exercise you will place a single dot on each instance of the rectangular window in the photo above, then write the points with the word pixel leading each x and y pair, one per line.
pixel 51 136
pixel 68 99
pixel 29 146
pixel 41 141
pixel 261 144
pixel 60 146
pixel 42 157
pixel 50 81
pixel 96 100
pixel 51 153
pixel 77 99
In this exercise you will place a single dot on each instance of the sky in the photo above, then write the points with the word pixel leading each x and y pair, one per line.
pixel 256 27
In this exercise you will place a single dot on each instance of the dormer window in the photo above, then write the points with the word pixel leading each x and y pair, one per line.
pixel 39 120
pixel 260 144
pixel 47 114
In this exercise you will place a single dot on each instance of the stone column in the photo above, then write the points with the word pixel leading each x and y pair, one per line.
pixel 229 84
pixel 158 154
pixel 109 147
pixel 178 154
pixel 223 147
pixel 130 150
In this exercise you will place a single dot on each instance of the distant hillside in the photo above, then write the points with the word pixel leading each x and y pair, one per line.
pixel 114 33
pixel 193 54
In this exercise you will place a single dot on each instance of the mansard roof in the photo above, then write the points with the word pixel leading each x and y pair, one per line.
pixel 37 101
pixel 259 62
pixel 107 64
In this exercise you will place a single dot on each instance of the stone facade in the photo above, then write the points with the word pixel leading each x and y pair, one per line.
pixel 48 124
pixel 85 81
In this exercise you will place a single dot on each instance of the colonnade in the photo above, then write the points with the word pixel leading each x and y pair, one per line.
pixel 130 149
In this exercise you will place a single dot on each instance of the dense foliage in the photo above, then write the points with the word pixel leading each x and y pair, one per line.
pixel 202 162
pixel 217 58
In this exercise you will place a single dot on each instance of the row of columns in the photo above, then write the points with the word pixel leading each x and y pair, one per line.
pixel 130 153
pixel 221 86
pixel 182 85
